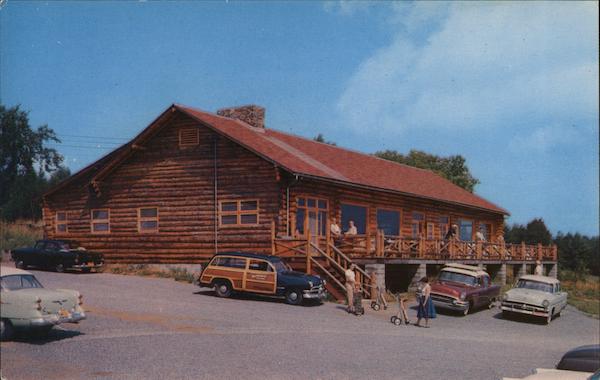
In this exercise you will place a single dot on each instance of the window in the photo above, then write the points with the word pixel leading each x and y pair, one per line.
pixel 260 266
pixel 443 225
pixel 100 221
pixel 465 230
pixel 148 219
pixel 239 213
pixel 388 221
pixel 417 225
pixel 230 262
pixel 188 137
pixel 312 213
pixel 61 222
pixel 358 214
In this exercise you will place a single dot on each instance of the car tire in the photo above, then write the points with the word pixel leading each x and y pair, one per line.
pixel 549 317
pixel 223 289
pixel 293 297
pixel 20 264
pixel 6 330
pixel 59 268
pixel 468 309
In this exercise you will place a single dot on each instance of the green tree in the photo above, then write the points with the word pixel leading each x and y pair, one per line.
pixel 25 159
pixel 453 168
pixel 320 138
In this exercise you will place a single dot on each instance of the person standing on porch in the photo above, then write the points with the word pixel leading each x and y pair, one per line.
pixel 351 229
pixel 479 236
pixel 350 285
pixel 336 231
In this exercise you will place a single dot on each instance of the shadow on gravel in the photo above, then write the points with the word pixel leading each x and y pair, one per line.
pixel 256 298
pixel 53 335
pixel 523 318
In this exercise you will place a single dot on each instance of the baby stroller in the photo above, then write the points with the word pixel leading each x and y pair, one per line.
pixel 378 302
pixel 357 303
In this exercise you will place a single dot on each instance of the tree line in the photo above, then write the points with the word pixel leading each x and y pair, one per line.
pixel 576 252
pixel 28 167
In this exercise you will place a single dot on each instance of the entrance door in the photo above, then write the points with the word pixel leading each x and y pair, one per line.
pixel 312 215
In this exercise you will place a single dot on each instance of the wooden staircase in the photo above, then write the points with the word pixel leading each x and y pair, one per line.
pixel 329 264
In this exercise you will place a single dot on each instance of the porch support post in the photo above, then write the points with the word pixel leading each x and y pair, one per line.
pixel 521 269
pixel 419 274
pixel 502 274
pixel 553 270
pixel 379 271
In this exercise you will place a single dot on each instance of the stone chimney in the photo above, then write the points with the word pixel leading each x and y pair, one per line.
pixel 250 114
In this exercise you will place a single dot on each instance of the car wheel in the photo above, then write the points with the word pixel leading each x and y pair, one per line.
pixel 293 297
pixel 20 264
pixel 6 330
pixel 466 311
pixel 59 268
pixel 549 317
pixel 223 289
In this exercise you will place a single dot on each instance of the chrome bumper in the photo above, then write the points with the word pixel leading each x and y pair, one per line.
pixel 455 304
pixel 528 311
pixel 55 319
pixel 318 293
pixel 85 266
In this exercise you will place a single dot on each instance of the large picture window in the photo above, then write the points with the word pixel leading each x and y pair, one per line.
pixel 100 221
pixel 238 213
pixel 61 222
pixel 312 213
pixel 148 219
pixel 356 213
pixel 465 230
pixel 389 222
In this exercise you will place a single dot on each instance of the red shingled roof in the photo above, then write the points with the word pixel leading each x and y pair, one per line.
pixel 306 157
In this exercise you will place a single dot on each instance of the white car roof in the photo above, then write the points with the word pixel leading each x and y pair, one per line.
pixel 545 279
pixel 9 271
pixel 464 269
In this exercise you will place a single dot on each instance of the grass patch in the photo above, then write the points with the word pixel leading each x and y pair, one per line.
pixel 584 291
pixel 22 233
pixel 178 274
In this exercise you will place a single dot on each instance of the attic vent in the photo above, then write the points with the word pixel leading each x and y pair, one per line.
pixel 188 137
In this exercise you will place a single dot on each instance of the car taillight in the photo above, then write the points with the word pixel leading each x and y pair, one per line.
pixel 39 304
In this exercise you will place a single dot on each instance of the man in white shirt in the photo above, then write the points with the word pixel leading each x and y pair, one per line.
pixel 350 285
pixel 479 236
pixel 351 229
pixel 335 230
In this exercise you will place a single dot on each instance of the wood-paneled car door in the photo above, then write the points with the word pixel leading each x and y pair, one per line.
pixel 260 277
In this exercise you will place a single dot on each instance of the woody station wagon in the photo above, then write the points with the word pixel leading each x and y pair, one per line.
pixel 260 274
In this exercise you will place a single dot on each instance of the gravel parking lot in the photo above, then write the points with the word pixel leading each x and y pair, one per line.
pixel 157 328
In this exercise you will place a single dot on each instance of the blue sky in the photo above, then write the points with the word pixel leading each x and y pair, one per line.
pixel 513 87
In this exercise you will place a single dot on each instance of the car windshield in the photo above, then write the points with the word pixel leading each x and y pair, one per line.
pixel 535 285
pixel 69 244
pixel 457 277
pixel 280 266
pixel 18 282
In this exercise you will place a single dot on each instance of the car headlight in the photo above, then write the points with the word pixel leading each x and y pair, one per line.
pixel 463 295
pixel 310 284
pixel 545 303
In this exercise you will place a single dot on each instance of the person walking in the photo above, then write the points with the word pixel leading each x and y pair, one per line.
pixel 350 285
pixel 426 309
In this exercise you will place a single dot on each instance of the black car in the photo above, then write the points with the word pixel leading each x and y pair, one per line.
pixel 59 255
pixel 583 359
pixel 261 274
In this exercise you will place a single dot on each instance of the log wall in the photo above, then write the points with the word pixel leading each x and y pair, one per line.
pixel 180 182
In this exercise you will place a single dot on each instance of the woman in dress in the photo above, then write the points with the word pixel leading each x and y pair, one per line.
pixel 426 309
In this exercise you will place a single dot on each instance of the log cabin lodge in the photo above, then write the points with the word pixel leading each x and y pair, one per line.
pixel 194 183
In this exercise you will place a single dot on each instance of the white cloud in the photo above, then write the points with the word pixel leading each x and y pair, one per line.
pixel 479 65
pixel 545 138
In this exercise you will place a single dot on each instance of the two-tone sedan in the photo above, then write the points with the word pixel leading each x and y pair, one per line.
pixel 539 296
pixel 27 305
